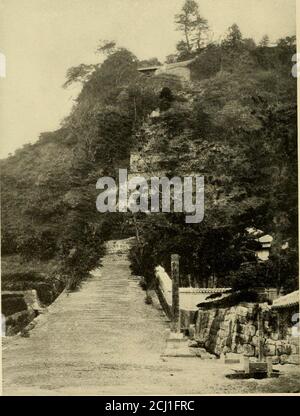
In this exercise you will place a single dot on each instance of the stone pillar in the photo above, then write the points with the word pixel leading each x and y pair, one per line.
pixel 260 336
pixel 246 365
pixel 175 293
pixel 269 366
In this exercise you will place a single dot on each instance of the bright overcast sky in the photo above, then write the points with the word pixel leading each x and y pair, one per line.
pixel 43 38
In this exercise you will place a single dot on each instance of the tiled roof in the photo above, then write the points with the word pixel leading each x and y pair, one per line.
pixel 179 64
pixel 149 68
pixel 291 299
pixel 214 301
pixel 208 290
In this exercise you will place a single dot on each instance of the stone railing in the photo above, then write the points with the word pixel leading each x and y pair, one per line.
pixel 189 297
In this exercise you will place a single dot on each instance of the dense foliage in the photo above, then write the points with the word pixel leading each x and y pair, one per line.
pixel 238 115
pixel 241 117
pixel 48 188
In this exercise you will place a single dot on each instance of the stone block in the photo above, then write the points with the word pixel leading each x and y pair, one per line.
pixel 226 325
pixel 246 365
pixel 283 348
pixel 274 336
pixel 255 341
pixel 242 319
pixel 192 331
pixel 294 349
pixel 284 359
pixel 293 359
pixel 256 367
pixel 270 348
pixel 233 356
pixel 231 360
pixel 294 341
pixel 193 344
pixel 251 329
pixel 275 359
pixel 177 336
pixel 242 310
pixel 248 350
pixel 218 350
pixel 248 333
pixel 239 349
pixel 234 347
pixel 245 338
pixel 229 316
pixel 226 349
pixel 269 361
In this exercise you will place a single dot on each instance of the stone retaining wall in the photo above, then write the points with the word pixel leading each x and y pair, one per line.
pixel 15 322
pixel 18 321
pixel 235 329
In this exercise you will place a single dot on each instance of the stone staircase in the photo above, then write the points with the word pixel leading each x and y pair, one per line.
pixel 119 247
pixel 97 336
pixel 178 345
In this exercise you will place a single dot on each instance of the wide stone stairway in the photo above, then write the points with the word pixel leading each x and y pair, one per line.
pixel 95 340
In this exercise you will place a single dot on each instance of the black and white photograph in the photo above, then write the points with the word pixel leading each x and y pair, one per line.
pixel 149 200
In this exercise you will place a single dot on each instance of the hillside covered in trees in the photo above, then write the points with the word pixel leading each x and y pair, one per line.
pixel 239 114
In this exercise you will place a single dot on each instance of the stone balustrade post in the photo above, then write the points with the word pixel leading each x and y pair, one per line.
pixel 175 293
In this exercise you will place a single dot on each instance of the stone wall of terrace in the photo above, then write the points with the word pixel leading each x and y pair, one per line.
pixel 235 330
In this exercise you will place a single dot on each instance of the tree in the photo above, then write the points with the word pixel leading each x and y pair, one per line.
pixel 244 122
pixel 106 47
pixel 171 59
pixel 287 42
pixel 287 48
pixel 264 41
pixel 237 53
pixel 249 44
pixel 166 98
pixel 80 73
pixel 107 81
pixel 118 68
pixel 149 62
pixel 194 28
pixel 233 39
pixel 207 63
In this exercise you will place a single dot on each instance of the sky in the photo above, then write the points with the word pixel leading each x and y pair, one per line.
pixel 41 39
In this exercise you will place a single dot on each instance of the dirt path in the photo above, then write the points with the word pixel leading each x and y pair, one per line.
pixel 104 339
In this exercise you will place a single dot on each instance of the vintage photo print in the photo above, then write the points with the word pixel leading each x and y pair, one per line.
pixel 149 199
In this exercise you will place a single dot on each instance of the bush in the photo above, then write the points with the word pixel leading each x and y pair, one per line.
pixel 207 64
pixel 177 118
pixel 47 287
pixel 36 244
pixel 142 264
pixel 8 242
